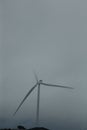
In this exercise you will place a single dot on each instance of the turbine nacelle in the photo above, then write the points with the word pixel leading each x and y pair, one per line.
pixel 40 81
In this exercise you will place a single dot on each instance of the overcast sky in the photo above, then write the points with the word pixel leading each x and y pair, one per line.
pixel 50 37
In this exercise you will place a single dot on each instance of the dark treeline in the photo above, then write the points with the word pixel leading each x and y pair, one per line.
pixel 19 127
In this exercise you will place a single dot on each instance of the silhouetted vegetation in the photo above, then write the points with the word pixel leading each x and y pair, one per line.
pixel 38 128
pixel 23 128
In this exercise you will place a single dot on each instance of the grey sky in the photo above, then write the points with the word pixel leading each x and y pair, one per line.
pixel 48 36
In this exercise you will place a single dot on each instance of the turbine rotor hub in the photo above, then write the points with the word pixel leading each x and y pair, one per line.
pixel 40 81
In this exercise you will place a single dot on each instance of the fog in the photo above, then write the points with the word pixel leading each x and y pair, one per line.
pixel 48 37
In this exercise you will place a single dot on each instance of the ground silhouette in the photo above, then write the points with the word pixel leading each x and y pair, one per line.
pixel 21 127
pixel 35 128
pixel 38 128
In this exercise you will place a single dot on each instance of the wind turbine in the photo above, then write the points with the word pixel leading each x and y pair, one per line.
pixel 38 85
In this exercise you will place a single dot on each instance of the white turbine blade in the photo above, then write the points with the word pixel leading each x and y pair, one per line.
pixel 52 85
pixel 25 98
pixel 35 76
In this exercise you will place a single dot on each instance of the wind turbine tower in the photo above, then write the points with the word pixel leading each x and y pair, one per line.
pixel 38 85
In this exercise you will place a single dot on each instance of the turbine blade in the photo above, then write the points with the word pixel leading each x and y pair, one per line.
pixel 25 98
pixel 35 76
pixel 52 85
